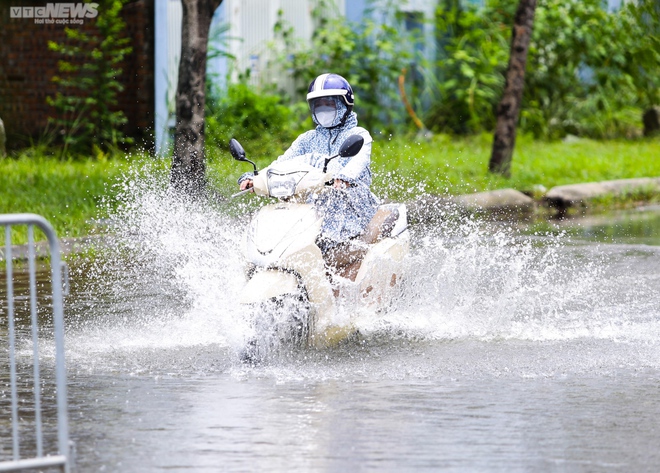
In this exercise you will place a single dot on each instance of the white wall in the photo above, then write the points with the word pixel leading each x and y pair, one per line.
pixel 254 20
pixel 167 32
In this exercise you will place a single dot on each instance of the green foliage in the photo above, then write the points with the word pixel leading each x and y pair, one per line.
pixel 248 114
pixel 86 102
pixel 589 71
pixel 641 20
pixel 219 42
pixel 218 46
pixel 370 56
pixel 575 82
pixel 473 50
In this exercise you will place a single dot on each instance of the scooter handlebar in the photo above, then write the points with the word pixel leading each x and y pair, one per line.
pixel 249 189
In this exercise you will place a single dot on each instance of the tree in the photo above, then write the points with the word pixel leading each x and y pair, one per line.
pixel 508 109
pixel 188 161
pixel 643 59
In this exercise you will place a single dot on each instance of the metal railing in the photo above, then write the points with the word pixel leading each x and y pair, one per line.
pixel 40 459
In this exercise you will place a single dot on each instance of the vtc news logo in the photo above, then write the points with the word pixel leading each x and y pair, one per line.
pixel 59 13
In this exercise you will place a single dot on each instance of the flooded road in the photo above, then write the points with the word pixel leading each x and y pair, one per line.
pixel 507 352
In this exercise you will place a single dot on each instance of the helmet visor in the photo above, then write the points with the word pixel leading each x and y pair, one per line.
pixel 324 110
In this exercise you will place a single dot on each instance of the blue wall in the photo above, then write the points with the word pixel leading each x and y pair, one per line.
pixel 355 9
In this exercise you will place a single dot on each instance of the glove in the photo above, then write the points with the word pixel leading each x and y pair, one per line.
pixel 245 176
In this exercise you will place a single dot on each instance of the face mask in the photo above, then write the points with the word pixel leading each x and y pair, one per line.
pixel 325 116
pixel 324 110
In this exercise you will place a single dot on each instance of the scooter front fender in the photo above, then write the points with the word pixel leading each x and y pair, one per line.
pixel 267 284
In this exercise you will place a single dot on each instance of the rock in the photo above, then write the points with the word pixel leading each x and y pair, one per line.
pixel 572 194
pixel 621 187
pixel 499 203
pixel 571 139
pixel 651 119
pixel 563 197
pixel 3 140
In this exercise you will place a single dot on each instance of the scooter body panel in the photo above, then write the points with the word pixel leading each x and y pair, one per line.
pixel 381 271
pixel 282 240
pixel 280 230
pixel 264 285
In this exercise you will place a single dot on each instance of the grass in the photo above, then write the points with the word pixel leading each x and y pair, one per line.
pixel 458 166
pixel 67 193
pixel 71 194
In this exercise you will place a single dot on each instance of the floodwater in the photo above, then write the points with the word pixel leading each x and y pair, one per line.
pixel 508 351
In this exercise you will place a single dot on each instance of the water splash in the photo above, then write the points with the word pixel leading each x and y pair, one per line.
pixel 487 281
pixel 170 285
pixel 170 278
pixel 484 282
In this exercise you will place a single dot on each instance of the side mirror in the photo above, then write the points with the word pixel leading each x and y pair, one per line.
pixel 238 153
pixel 351 146
pixel 237 150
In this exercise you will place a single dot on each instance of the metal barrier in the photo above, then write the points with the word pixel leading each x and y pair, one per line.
pixel 61 458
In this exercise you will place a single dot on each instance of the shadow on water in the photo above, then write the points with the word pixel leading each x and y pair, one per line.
pixel 637 227
pixel 640 226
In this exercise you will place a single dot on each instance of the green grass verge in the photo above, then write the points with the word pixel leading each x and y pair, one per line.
pixel 459 166
pixel 71 194
pixel 67 193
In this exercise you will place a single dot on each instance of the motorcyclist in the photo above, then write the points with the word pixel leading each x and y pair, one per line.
pixel 348 207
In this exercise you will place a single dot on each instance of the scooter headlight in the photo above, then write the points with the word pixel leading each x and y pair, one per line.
pixel 283 185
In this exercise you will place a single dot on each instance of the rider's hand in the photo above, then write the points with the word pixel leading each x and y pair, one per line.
pixel 339 184
pixel 246 184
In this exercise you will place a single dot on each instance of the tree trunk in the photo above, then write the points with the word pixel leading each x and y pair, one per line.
pixel 651 120
pixel 508 109
pixel 188 161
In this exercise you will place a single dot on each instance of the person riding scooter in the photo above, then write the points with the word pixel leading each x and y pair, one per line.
pixel 349 205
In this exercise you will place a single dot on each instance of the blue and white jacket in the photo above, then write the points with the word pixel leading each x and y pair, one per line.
pixel 350 210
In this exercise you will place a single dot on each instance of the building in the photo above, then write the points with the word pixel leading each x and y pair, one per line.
pixel 150 72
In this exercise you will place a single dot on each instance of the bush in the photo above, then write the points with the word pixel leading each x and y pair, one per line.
pixel 589 71
pixel 576 81
pixel 253 116
pixel 371 56
pixel 473 50
pixel 86 103
pixel 641 21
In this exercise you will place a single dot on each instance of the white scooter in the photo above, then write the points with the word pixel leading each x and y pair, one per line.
pixel 291 291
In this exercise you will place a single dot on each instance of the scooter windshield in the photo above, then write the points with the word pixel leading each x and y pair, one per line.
pixel 283 184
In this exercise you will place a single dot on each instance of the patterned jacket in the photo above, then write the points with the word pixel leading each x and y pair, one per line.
pixel 347 212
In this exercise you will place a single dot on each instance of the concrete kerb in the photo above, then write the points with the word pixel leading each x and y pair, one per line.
pixel 501 203
pixel 511 204
pixel 563 198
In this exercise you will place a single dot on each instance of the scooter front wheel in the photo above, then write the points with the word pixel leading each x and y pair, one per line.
pixel 279 325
